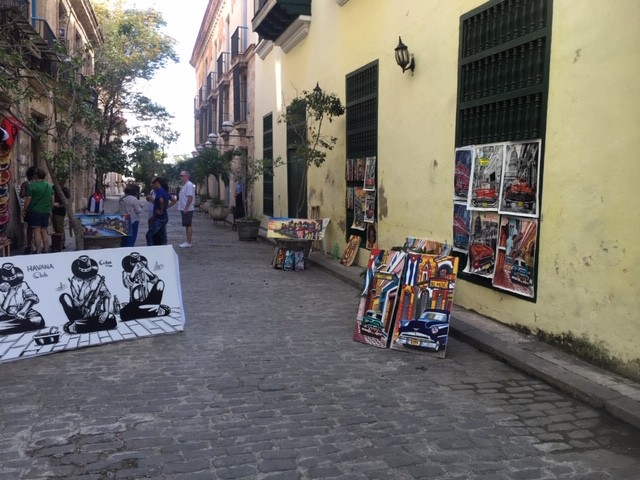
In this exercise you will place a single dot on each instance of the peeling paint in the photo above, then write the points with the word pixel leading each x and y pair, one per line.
pixel 383 205
pixel 578 52
pixel 342 225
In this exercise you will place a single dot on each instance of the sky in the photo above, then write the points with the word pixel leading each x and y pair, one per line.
pixel 174 87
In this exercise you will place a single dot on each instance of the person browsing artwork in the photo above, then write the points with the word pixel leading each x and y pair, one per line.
pixel 130 205
pixel 37 210
pixel 24 189
pixel 186 205
pixel 158 224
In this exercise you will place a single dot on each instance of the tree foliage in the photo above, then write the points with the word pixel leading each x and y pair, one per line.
pixel 134 49
pixel 305 118
pixel 49 77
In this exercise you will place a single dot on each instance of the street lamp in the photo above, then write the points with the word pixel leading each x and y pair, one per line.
pixel 227 127
pixel 213 137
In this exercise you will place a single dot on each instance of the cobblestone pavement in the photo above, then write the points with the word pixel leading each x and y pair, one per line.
pixel 266 383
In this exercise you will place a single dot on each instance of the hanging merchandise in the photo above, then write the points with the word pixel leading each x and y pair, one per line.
pixel 520 179
pixel 486 174
pixel 516 255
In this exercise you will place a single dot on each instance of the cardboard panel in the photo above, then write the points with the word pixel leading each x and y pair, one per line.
pixel 61 301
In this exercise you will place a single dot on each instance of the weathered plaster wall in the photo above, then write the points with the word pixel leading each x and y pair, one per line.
pixel 588 275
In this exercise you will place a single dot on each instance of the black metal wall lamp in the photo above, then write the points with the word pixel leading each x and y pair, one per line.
pixel 403 58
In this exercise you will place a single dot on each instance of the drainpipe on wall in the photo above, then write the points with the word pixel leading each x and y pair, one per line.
pixel 34 12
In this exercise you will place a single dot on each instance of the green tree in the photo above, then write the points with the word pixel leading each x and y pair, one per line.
pixel 134 49
pixel 147 160
pixel 306 117
pixel 49 77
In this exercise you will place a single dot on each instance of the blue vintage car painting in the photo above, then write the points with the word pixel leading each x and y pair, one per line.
pixel 428 332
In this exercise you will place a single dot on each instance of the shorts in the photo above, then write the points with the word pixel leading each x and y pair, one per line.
pixel 187 218
pixel 38 219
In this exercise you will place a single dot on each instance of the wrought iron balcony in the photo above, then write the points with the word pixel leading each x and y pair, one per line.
pixel 20 9
pixel 211 82
pixel 273 17
pixel 239 42
pixel 222 64
pixel 44 30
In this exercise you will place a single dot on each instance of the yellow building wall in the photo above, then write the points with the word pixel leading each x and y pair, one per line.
pixel 588 279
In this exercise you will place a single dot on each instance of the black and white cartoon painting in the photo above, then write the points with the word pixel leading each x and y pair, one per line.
pixel 61 301
pixel 145 289
pixel 16 303
pixel 88 307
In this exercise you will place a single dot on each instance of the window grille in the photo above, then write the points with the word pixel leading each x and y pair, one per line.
pixel 361 128
pixel 503 80
pixel 267 153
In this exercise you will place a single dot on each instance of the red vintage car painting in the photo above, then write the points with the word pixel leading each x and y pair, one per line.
pixel 520 194
pixel 482 257
pixel 485 196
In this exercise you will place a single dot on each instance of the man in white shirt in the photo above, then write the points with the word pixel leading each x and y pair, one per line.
pixel 186 204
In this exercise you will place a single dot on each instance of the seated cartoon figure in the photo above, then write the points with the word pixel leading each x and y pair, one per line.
pixel 88 306
pixel 16 300
pixel 145 289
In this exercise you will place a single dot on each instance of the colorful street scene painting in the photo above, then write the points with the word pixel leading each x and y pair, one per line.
pixel 423 245
pixel 486 175
pixel 376 310
pixel 461 227
pixel 482 244
pixel 521 175
pixel 516 255
pixel 103 225
pixel 424 308
pixel 462 175
pixel 297 228
pixel 62 301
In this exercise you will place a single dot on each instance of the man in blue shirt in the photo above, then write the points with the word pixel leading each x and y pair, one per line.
pixel 160 217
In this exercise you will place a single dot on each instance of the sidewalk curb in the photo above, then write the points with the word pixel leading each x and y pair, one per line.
pixel 599 388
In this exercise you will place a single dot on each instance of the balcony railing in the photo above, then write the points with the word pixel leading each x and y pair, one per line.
pixel 211 82
pixel 239 42
pixel 273 17
pixel 223 64
pixel 41 26
pixel 19 6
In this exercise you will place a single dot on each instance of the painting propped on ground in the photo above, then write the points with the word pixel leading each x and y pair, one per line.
pixel 379 297
pixel 297 228
pixel 424 308
pixel 103 225
pixel 63 301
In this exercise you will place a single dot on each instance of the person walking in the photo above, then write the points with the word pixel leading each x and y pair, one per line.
pixel 58 212
pixel 37 210
pixel 24 188
pixel 158 224
pixel 186 205
pixel 130 205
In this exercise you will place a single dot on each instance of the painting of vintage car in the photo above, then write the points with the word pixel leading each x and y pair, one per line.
pixel 482 257
pixel 429 331
pixel 485 196
pixel 371 324
pixel 521 272
pixel 520 194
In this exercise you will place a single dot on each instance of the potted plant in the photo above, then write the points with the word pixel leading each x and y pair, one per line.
pixel 211 162
pixel 310 147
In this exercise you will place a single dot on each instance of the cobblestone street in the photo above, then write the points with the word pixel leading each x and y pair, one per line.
pixel 266 383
